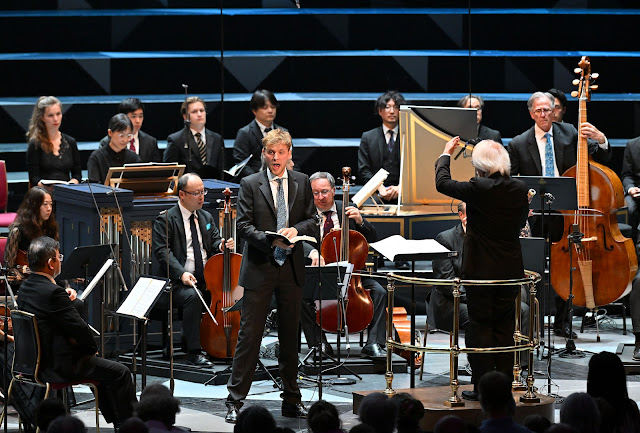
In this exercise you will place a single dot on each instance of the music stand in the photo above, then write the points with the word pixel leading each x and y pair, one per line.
pixel 555 194
pixel 146 178
pixel 84 261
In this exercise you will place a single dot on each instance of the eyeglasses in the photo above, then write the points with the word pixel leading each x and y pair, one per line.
pixel 197 193
pixel 324 192
pixel 61 257
pixel 391 107
pixel 540 111
pixel 129 136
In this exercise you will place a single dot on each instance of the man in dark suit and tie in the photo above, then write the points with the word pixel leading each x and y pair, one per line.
pixel 200 149
pixel 484 132
pixel 144 145
pixel 549 148
pixel 497 208
pixel 193 239
pixel 323 186
pixel 249 139
pixel 67 343
pixel 275 199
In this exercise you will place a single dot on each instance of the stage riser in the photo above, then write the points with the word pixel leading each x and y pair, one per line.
pixel 433 400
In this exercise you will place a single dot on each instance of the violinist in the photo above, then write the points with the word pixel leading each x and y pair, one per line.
pixel 549 148
pixel 193 238
pixel 323 186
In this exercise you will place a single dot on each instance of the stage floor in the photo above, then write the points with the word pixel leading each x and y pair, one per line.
pixel 203 408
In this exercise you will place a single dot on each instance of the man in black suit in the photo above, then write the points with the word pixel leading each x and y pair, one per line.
pixel 249 139
pixel 323 186
pixel 67 343
pixel 497 208
pixel 144 145
pixel 484 132
pixel 441 302
pixel 631 183
pixel 549 148
pixel 185 255
pixel 274 199
pixel 380 148
pixel 559 104
pixel 200 149
pixel 115 153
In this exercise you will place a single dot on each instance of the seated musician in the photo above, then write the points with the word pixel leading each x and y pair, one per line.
pixel 67 343
pixel 193 238
pixel 116 153
pixel 441 302
pixel 323 186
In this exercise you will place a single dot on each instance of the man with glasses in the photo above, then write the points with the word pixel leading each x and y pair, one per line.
pixel 193 237
pixel 67 343
pixel 549 148
pixel 484 132
pixel 323 186
pixel 116 154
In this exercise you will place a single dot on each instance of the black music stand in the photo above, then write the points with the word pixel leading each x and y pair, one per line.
pixel 84 261
pixel 398 248
pixel 325 283
pixel 555 194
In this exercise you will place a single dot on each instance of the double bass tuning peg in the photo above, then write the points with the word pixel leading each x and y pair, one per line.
pixel 594 87
pixel 576 82
pixel 595 76
pixel 574 93
pixel 577 70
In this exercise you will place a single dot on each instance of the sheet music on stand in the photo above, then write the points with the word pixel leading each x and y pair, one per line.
pixel 142 297
pixel 328 277
pixel 398 248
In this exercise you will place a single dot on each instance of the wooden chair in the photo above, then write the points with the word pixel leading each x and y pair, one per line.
pixel 27 361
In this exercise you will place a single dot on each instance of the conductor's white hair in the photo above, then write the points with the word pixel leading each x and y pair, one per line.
pixel 489 157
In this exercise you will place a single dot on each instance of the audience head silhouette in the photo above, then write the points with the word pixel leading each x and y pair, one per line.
pixel 378 411
pixel 157 403
pixel 580 411
pixel 323 417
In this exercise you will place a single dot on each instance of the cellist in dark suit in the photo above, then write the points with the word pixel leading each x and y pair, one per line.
pixel 275 199
pixel 208 161
pixel 497 208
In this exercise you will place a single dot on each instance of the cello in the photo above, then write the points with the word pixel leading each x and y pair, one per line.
pixel 221 275
pixel 606 259
pixel 350 246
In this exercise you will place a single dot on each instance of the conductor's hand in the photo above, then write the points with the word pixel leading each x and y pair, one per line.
pixel 634 192
pixel 227 244
pixel 313 255
pixel 354 214
pixel 389 192
pixel 451 145
pixel 72 293
pixel 188 279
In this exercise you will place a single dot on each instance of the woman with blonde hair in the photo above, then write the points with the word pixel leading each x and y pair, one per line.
pixel 51 155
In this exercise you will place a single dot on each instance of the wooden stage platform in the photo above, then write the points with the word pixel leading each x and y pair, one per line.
pixel 433 400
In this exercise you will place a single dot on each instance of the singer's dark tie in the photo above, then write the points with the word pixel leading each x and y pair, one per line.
pixel 391 142
pixel 132 145
pixel 328 223
pixel 197 253
pixel 201 147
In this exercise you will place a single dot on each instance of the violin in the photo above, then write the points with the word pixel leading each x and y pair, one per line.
pixel 5 313
pixel 351 246
pixel 221 276
pixel 606 260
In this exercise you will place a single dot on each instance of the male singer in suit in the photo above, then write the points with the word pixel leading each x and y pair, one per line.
pixel 497 208
pixel 380 148
pixel 144 145
pixel 484 132
pixel 67 343
pixel 249 139
pixel 631 184
pixel 193 239
pixel 323 186
pixel 275 199
pixel 549 148
pixel 200 149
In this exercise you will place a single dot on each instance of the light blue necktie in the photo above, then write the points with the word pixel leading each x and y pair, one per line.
pixel 548 156
pixel 279 254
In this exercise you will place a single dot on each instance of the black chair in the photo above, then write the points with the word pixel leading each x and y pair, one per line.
pixel 27 361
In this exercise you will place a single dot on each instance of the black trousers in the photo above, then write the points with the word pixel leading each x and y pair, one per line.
pixel 256 304
pixel 491 323
pixel 186 298
pixel 377 327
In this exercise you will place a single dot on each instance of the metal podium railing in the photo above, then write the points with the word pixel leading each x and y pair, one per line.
pixel 522 342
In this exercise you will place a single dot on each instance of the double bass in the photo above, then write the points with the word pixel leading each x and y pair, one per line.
pixel 221 275
pixel 606 260
pixel 350 246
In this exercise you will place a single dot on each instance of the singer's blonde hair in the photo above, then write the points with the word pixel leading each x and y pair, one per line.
pixel 276 136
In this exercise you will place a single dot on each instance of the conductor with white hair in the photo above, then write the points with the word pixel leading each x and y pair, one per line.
pixel 497 209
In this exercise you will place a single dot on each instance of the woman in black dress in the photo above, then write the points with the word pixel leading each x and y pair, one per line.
pixel 51 155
